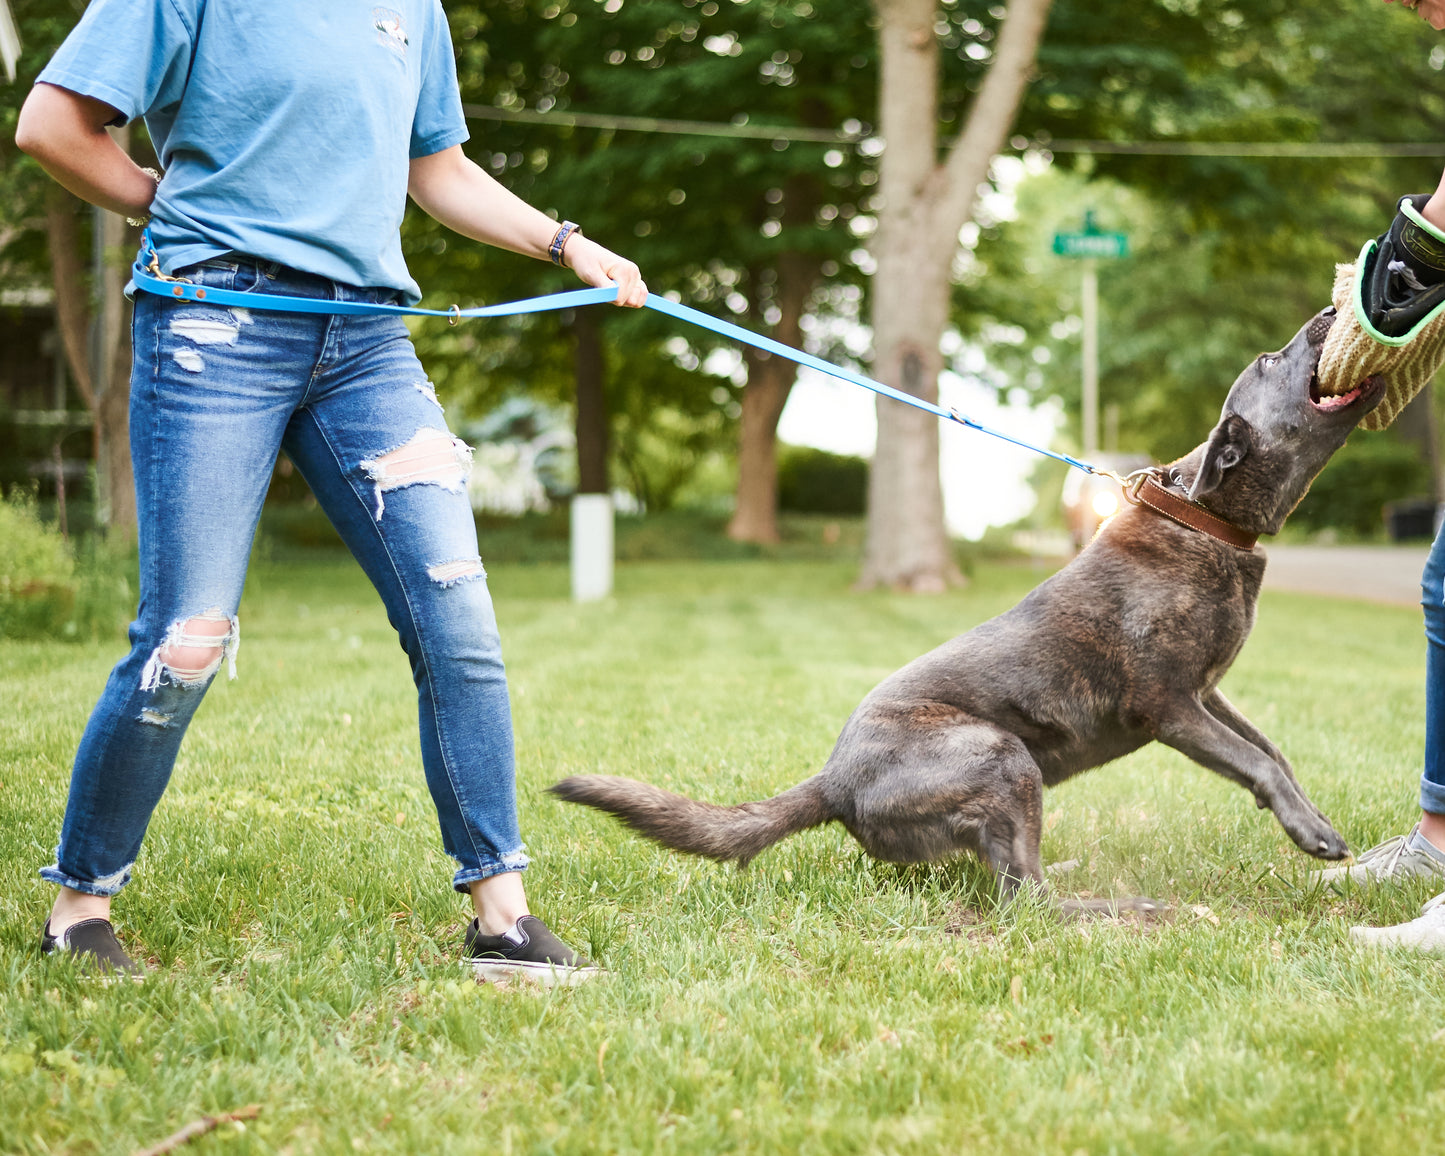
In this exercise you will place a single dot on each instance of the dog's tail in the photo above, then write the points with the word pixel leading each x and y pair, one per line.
pixel 698 828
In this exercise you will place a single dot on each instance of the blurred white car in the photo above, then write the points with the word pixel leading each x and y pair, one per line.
pixel 1089 499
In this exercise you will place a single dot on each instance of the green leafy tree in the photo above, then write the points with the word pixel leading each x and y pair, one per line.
pixel 747 227
pixel 45 235
pixel 1229 255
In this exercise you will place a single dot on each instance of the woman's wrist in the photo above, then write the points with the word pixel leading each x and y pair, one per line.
pixel 557 247
pixel 143 218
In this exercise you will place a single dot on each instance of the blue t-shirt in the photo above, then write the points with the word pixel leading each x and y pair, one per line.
pixel 285 129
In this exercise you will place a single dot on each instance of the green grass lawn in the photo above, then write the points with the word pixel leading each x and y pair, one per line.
pixel 294 905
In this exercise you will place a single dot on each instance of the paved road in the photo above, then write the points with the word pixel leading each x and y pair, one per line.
pixel 1389 574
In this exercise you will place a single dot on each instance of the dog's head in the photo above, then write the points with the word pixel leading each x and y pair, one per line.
pixel 1276 434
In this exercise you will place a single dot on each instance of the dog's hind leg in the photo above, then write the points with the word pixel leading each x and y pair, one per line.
pixel 940 783
pixel 1011 833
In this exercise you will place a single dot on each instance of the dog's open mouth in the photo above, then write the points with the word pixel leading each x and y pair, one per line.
pixel 1360 393
pixel 1337 400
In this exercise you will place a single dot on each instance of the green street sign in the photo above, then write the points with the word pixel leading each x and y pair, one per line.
pixel 1092 244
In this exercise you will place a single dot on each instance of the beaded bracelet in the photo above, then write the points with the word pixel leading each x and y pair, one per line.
pixel 559 240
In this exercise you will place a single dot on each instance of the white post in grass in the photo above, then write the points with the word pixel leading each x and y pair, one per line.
pixel 591 547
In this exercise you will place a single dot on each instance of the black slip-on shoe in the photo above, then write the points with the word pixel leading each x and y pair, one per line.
pixel 529 950
pixel 94 947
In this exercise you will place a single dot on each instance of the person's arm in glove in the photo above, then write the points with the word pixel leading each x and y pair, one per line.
pixel 1405 279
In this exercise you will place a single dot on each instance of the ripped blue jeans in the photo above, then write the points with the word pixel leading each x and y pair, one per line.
pixel 215 393
pixel 1432 598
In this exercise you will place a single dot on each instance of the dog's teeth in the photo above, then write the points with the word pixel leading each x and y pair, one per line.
pixel 1324 846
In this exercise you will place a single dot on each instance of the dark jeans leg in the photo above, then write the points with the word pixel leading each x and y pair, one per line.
pixel 1432 781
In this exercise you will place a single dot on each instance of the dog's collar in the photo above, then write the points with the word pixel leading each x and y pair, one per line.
pixel 1147 491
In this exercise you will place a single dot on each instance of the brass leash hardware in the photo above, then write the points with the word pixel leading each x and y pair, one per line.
pixel 454 315
pixel 1134 482
pixel 154 269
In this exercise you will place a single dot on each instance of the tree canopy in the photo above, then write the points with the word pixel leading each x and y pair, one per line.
pixel 1229 252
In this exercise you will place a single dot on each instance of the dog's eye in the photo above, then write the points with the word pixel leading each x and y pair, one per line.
pixel 1269 361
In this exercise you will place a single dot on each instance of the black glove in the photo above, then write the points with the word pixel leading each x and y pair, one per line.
pixel 1404 279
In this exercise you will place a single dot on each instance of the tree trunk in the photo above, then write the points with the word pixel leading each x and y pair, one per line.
pixel 770 381
pixel 100 368
pixel 906 547
pixel 67 274
pixel 115 479
pixel 925 204
pixel 591 426
pixel 112 422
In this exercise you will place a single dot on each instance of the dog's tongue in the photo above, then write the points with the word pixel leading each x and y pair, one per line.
pixel 1339 401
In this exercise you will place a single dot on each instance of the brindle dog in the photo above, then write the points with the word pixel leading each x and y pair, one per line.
pixel 1125 645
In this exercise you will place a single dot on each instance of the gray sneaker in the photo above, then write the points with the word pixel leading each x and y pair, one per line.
pixel 1424 934
pixel 1409 856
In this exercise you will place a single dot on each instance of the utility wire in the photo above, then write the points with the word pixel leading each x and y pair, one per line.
pixel 651 124
pixel 1295 150
pixel 1208 148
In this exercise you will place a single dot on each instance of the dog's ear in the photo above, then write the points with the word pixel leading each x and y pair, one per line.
pixel 1228 446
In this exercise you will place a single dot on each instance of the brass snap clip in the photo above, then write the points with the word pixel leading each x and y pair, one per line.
pixel 1135 482
pixel 153 267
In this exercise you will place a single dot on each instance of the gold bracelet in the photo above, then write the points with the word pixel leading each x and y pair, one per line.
pixel 142 222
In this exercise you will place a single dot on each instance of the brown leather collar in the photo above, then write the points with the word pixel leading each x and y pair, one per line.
pixel 1191 514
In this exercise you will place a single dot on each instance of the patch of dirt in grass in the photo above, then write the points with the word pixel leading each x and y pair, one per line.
pixel 1083 911
pixel 1026 1045
pixel 970 924
pixel 1131 910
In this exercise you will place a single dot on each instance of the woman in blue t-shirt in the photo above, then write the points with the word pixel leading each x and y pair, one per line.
pixel 289 175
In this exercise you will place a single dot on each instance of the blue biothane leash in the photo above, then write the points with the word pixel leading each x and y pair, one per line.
pixel 149 279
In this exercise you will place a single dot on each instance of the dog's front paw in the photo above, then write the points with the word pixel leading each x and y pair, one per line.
pixel 1318 838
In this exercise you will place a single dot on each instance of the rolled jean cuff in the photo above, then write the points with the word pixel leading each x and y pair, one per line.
pixel 108 886
pixel 1432 797
pixel 510 861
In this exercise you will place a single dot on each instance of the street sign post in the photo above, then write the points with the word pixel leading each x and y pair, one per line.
pixel 1091 245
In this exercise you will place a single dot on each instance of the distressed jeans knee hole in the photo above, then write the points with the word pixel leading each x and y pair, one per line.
pixel 193 650
pixel 432 457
